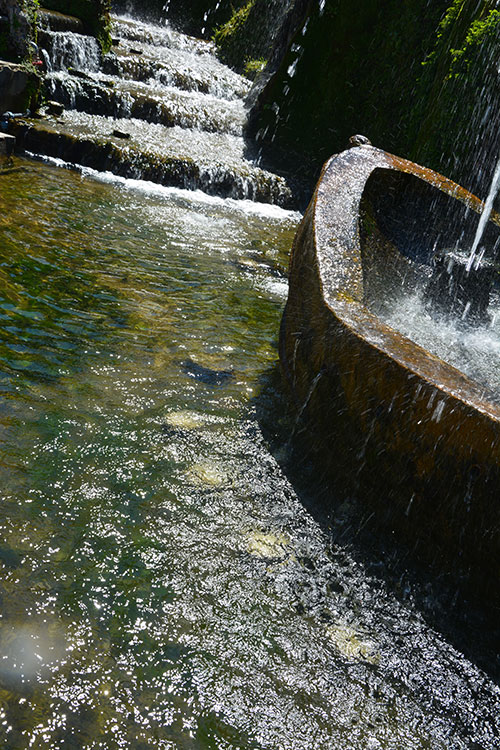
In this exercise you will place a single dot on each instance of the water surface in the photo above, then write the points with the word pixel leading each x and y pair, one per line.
pixel 162 585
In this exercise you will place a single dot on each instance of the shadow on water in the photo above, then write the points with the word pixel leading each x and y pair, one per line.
pixel 471 627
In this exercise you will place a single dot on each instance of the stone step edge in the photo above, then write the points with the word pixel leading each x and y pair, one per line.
pixel 143 106
pixel 53 20
pixel 142 165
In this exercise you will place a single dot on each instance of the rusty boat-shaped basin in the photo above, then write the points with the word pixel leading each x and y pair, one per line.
pixel 414 438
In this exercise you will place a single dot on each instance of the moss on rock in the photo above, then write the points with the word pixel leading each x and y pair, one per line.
pixel 455 124
pixel 345 72
pixel 93 13
pixel 418 79
pixel 17 29
pixel 198 17
pixel 247 38
pixel 254 67
pixel 20 83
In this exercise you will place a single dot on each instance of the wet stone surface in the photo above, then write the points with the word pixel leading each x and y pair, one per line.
pixel 182 109
pixel 164 579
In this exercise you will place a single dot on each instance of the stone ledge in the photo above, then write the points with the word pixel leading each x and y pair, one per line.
pixel 7 144
pixel 16 87
pixel 56 21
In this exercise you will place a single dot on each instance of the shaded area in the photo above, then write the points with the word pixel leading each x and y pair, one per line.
pixel 348 523
pixel 419 79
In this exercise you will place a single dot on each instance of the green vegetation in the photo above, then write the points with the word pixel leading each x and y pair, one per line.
pixel 18 29
pixel 417 79
pixel 246 39
pixel 479 33
pixel 197 17
pixel 452 118
pixel 94 14
pixel 254 67
pixel 231 38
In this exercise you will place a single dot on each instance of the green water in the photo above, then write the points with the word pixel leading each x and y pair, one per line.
pixel 162 586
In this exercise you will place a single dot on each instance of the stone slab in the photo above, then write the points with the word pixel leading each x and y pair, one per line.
pixel 7 144
pixel 14 87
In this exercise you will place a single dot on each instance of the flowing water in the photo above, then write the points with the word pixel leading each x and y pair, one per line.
pixel 163 584
pixel 160 107
pixel 474 350
pixel 476 257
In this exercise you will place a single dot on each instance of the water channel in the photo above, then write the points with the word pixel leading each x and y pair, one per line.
pixel 165 581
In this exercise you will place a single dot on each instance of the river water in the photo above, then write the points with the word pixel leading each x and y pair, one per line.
pixel 165 581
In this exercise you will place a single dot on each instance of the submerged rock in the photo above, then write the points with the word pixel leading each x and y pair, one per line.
pixel 352 644
pixel 208 474
pixel 267 545
pixel 206 374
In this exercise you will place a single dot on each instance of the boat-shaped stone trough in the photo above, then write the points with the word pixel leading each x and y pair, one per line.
pixel 415 440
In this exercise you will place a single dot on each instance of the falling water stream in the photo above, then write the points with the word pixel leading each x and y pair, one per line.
pixel 164 584
pixel 474 257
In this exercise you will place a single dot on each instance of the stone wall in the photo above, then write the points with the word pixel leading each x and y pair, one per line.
pixel 17 29
pixel 19 81
pixel 454 125
pixel 345 72
pixel 197 17
pixel 418 78
pixel 200 17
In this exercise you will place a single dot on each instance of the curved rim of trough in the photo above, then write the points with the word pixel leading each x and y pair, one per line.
pixel 335 210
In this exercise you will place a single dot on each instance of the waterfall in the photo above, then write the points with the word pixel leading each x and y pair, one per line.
pixel 65 50
pixel 160 106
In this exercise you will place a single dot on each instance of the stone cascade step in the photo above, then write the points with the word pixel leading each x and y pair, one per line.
pixel 105 95
pixel 134 30
pixel 195 160
pixel 54 21
pixel 179 68
pixel 159 107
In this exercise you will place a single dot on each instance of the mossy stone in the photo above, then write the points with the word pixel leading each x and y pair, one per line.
pixel 94 14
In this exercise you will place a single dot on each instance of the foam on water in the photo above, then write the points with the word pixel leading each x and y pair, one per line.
pixel 266 210
pixel 70 50
pixel 475 351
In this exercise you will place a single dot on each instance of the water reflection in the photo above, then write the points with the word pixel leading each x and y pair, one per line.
pixel 162 585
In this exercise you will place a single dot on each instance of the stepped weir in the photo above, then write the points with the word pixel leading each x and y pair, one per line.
pixel 159 107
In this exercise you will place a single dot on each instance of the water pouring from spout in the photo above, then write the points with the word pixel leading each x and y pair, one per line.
pixel 485 216
pixel 461 284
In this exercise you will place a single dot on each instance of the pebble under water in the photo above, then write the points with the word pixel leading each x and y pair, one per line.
pixel 162 584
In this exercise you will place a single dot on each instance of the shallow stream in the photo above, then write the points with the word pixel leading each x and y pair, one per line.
pixel 162 584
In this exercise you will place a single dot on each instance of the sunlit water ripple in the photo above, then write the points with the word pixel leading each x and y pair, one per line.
pixel 162 584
